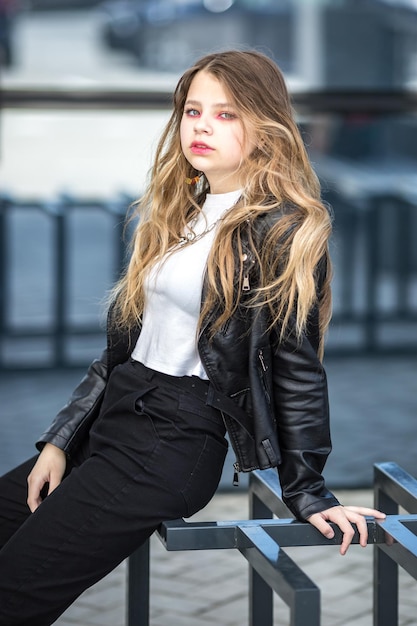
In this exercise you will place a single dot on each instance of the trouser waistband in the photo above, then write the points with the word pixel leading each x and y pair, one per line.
pixel 193 384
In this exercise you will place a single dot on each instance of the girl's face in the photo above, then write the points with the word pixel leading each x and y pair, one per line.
pixel 212 135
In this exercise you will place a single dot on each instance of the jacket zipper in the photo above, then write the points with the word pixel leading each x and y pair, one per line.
pixel 262 360
pixel 245 282
pixel 264 370
pixel 236 468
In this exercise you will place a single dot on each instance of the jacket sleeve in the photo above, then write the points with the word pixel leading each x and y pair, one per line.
pixel 73 421
pixel 302 415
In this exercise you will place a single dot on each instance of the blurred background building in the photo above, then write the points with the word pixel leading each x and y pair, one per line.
pixel 86 90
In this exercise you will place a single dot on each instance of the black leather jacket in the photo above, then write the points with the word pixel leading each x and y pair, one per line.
pixel 273 396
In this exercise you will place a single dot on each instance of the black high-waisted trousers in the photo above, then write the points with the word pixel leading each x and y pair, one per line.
pixel 155 453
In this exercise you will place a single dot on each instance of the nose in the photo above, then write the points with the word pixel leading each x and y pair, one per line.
pixel 202 125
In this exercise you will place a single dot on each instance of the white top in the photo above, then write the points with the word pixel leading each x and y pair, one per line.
pixel 168 339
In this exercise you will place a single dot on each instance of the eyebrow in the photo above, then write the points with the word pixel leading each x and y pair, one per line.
pixel 217 105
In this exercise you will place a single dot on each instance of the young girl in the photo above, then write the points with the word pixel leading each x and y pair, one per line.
pixel 217 325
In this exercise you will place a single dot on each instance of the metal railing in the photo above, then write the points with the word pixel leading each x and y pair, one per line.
pixel 48 264
pixel 57 259
pixel 393 488
pixel 262 538
pixel 375 283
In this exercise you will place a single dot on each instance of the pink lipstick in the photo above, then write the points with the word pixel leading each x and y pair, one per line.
pixel 199 147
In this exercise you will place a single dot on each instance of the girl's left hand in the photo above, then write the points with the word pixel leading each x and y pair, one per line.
pixel 343 516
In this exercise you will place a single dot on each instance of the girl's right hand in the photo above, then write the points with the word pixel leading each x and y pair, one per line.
pixel 344 517
pixel 49 468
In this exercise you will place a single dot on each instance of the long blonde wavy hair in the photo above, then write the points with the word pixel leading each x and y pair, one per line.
pixel 276 174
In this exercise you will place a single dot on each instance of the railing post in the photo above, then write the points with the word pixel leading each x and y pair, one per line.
pixel 385 584
pixel 58 214
pixel 120 210
pixel 3 268
pixel 404 245
pixel 138 587
pixel 371 232
pixel 261 606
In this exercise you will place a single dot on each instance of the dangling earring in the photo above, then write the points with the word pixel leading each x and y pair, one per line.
pixel 194 180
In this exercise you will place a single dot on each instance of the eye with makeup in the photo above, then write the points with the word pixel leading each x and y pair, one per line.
pixel 227 115
pixel 191 112
pixel 224 115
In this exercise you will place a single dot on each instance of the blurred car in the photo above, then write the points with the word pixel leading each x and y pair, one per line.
pixel 169 35
pixel 8 11
pixel 120 22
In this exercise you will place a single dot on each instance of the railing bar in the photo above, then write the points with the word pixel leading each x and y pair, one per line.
pixel 265 485
pixel 402 556
pixel 283 576
pixel 370 229
pixel 398 534
pixel 4 205
pixel 138 587
pixel 260 600
pixel 60 286
pixel 202 536
pixel 385 590
pixel 260 593
pixel 181 535
pixel 385 570
pixel 397 484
